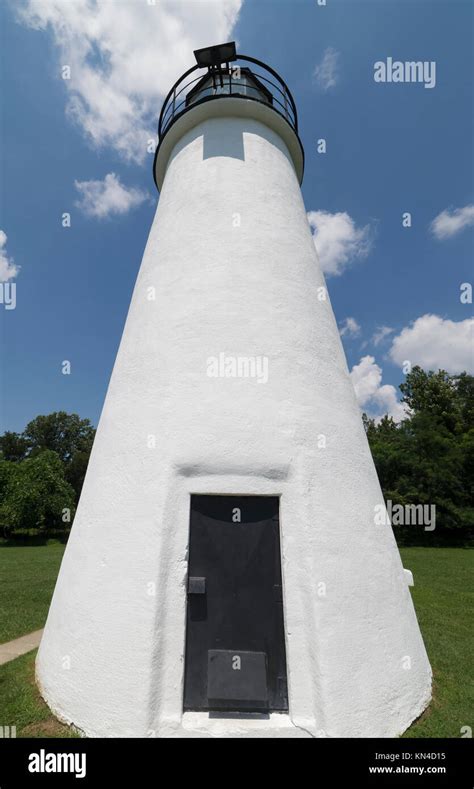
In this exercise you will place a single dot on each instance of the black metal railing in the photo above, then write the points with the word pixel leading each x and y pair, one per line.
pixel 257 83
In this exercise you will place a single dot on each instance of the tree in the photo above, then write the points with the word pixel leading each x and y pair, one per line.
pixel 36 495
pixel 6 470
pixel 13 446
pixel 60 432
pixel 429 457
pixel 69 436
pixel 75 471
pixel 465 394
pixel 42 471
pixel 449 398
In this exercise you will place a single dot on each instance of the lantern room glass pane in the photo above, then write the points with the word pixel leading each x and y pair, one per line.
pixel 232 85
pixel 245 85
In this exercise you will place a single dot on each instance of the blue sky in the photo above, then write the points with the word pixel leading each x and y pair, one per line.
pixel 390 149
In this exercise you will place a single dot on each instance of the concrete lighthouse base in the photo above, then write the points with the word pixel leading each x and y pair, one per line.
pixel 230 267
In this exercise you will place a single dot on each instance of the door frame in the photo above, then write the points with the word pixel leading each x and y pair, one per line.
pixel 241 492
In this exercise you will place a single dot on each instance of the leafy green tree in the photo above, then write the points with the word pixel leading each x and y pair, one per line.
pixel 465 394
pixel 448 398
pixel 6 470
pixel 63 433
pixel 36 495
pixel 13 446
pixel 428 458
pixel 69 436
pixel 432 393
pixel 75 471
pixel 42 471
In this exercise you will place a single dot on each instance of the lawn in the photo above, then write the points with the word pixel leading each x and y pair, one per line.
pixel 443 601
pixel 22 706
pixel 443 597
pixel 27 578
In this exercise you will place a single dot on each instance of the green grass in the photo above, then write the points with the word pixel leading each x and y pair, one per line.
pixel 442 597
pixel 22 706
pixel 27 578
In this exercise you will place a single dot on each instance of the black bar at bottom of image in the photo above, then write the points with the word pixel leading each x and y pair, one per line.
pixel 87 762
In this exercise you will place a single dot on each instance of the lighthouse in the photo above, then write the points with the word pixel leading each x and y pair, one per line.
pixel 226 574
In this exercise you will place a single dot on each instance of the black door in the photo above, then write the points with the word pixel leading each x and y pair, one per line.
pixel 235 644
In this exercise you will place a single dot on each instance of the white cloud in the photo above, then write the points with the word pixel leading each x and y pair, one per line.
pixel 8 269
pixel 338 241
pixel 451 221
pixel 102 198
pixel 375 398
pixel 350 327
pixel 124 57
pixel 381 333
pixel 326 73
pixel 433 343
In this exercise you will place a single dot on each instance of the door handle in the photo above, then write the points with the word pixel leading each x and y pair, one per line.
pixel 196 585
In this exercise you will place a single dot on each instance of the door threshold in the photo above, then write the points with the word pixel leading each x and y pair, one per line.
pixel 239 724
pixel 238 715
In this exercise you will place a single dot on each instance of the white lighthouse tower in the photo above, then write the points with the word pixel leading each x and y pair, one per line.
pixel 225 573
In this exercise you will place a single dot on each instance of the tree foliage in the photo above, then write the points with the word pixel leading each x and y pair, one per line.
pixel 428 458
pixel 35 495
pixel 42 471
pixel 63 433
pixel 13 446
